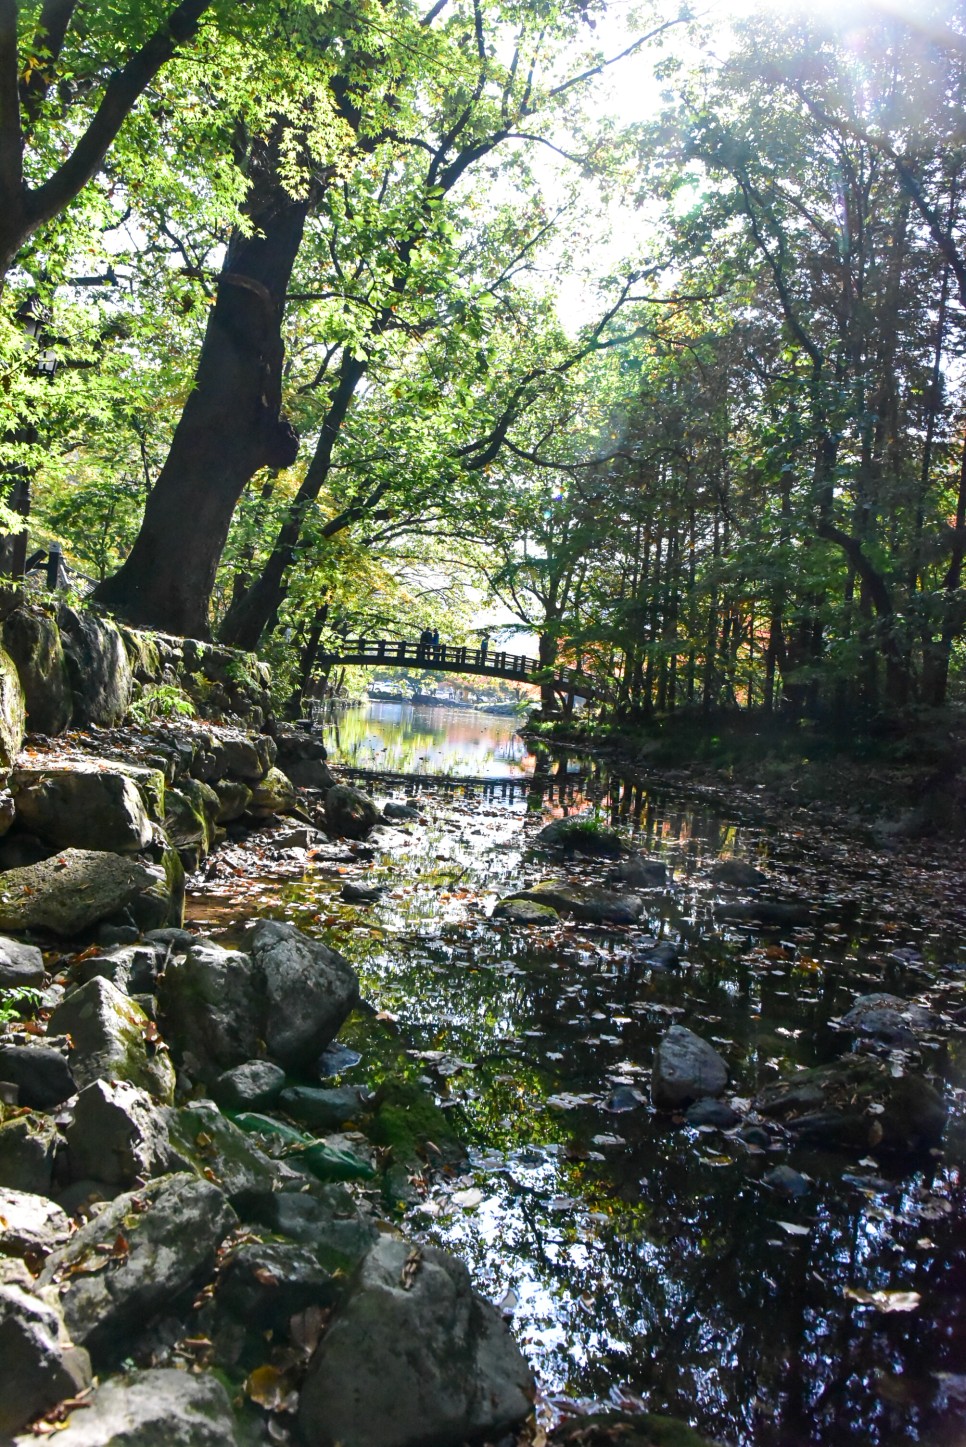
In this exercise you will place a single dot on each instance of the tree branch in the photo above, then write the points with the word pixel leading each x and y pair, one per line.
pixel 48 41
pixel 11 135
pixel 123 91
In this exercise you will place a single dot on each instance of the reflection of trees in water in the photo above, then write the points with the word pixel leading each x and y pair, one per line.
pixel 698 1299
pixel 408 740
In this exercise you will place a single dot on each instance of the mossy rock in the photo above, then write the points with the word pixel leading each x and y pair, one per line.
pixel 144 653
pixel 407 1122
pixel 858 1104
pixel 582 836
pixel 525 911
pixel 190 817
pixel 12 712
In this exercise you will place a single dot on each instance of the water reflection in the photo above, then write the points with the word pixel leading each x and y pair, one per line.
pixel 405 738
pixel 641 1255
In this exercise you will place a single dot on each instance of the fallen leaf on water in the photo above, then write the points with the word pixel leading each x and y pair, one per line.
pixel 883 1300
pixel 469 1200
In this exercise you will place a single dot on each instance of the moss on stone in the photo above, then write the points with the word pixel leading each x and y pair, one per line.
pixel 406 1119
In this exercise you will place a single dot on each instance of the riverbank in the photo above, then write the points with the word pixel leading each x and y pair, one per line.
pixel 899 801
pixel 499 1095
pixel 895 781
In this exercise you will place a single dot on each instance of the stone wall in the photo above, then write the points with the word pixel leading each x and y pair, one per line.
pixel 119 791
pixel 77 669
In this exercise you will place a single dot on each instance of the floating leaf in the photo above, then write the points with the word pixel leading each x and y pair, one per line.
pixel 468 1200
pixel 883 1300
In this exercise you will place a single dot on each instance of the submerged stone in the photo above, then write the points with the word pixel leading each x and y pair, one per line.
pixel 525 911
pixel 686 1068
pixel 585 835
pixel 587 902
pixel 859 1103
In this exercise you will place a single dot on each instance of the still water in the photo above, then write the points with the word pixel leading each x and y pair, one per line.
pixel 643 1261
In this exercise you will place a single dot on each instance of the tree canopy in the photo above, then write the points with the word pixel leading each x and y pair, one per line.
pixel 307 273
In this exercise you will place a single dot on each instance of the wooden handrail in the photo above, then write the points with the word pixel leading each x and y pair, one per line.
pixel 455 657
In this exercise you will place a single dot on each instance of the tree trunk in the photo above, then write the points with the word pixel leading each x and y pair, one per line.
pixel 547 657
pixel 250 615
pixel 231 426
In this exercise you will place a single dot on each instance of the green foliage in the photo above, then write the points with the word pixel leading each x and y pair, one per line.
pixel 161 701
pixel 17 1001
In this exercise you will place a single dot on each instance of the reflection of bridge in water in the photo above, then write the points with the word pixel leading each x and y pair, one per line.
pixel 452 658
pixel 562 785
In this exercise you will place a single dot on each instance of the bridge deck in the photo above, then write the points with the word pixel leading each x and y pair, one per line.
pixel 457 658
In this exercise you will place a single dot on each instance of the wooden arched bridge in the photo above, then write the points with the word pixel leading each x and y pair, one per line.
pixel 457 658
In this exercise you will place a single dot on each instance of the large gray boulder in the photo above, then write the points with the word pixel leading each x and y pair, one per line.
pixel 101 678
pixel 40 1073
pixel 686 1068
pixel 84 804
pixel 587 902
pixel 158 1408
pixel 12 713
pixel 111 1039
pixel 34 644
pixel 30 1224
pixel 132 968
pixel 212 1008
pixel 349 814
pixel 264 1283
pixel 77 888
pixel 117 1135
pixel 413 1357
pixel 256 1085
pixel 39 1367
pixel 302 755
pixel 161 1241
pixel 234 797
pixel 20 964
pixel 310 991
pixel 288 996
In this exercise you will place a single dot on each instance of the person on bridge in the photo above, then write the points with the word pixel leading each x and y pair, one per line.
pixel 425 639
pixel 434 640
pixel 484 645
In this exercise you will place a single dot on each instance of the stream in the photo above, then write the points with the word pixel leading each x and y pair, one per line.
pixel 643 1261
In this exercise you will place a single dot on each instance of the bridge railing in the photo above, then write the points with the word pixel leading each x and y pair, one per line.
pixel 454 656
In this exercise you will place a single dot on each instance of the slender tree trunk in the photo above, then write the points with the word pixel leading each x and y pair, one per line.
pixel 167 579
pixel 251 614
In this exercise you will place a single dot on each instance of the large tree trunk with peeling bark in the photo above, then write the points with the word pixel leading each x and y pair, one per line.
pixel 231 426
